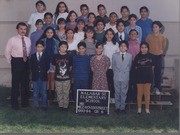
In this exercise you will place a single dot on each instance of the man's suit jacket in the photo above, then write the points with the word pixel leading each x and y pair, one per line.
pixel 121 69
pixel 39 68
pixel 117 37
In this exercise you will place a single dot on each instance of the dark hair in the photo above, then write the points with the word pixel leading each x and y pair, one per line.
pixel 144 7
pixel 91 13
pixel 132 16
pixel 144 43
pixel 133 30
pixel 81 44
pixel 44 33
pixel 48 13
pixel 39 21
pixel 120 21
pixel 113 39
pixel 68 30
pixel 60 20
pixel 63 43
pixel 125 42
pixel 80 20
pixel 100 5
pixel 41 2
pixel 89 28
pixel 40 42
pixel 57 8
pixel 125 7
pixel 21 24
pixel 70 13
pixel 113 13
pixel 84 5
pixel 100 20
pixel 161 26
pixel 99 44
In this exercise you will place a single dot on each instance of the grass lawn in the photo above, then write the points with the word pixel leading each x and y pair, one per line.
pixel 53 121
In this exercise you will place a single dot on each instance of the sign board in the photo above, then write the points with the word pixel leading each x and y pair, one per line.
pixel 92 102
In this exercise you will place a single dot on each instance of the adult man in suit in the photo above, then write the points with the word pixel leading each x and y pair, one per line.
pixel 17 53
pixel 121 65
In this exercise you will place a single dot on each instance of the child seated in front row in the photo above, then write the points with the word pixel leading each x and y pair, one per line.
pixel 39 63
pixel 143 65
pixel 81 69
pixel 63 67
pixel 121 65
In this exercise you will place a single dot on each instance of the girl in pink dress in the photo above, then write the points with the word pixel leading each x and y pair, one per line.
pixel 99 65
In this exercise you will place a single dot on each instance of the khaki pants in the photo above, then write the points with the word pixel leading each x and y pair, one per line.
pixel 62 90
pixel 143 89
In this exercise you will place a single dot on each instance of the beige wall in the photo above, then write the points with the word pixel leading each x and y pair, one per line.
pixel 167 11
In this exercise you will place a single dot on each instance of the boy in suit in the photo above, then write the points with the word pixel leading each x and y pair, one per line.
pixel 39 64
pixel 121 65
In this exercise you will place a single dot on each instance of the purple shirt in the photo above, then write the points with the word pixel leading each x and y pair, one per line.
pixel 34 38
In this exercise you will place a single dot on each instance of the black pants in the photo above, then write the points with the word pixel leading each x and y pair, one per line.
pixel 110 81
pixel 20 82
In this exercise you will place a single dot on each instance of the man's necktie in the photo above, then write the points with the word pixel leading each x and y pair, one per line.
pixel 24 50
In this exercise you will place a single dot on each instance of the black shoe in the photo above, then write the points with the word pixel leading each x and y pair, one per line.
pixel 65 109
pixel 44 109
pixel 15 108
pixel 123 111
pixel 61 109
pixel 117 111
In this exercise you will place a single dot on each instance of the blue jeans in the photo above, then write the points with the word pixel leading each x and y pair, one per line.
pixel 39 87
pixel 79 84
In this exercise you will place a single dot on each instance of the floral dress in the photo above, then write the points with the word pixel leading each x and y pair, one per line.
pixel 99 72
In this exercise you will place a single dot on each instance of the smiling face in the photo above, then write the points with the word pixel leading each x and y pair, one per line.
pixel 62 8
pixel 48 19
pixel 132 21
pixel 69 34
pixel 40 7
pixel 144 49
pixel 123 48
pixel 144 14
pixel 91 18
pixel 73 17
pixel 156 28
pixel 84 11
pixel 113 18
pixel 102 11
pixel 49 33
pixel 81 26
pixel 100 26
pixel 133 35
pixel 109 36
pixel 124 13
pixel 120 27
pixel 99 49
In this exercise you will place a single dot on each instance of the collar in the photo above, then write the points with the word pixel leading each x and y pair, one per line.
pixel 122 53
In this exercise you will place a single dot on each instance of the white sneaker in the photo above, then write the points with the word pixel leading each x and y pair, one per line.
pixel 157 91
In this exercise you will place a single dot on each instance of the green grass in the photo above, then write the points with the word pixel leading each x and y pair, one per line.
pixel 53 121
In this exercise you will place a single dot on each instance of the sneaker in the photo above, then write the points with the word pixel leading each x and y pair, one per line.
pixel 157 92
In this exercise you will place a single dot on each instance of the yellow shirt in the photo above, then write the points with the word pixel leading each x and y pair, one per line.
pixel 157 44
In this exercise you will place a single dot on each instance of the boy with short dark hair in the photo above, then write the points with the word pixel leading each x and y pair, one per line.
pixel 63 67
pixel 84 9
pixel 102 13
pixel 48 21
pixel 39 64
pixel 132 20
pixel 81 69
pixel 120 35
pixel 36 35
pixel 121 65
pixel 145 23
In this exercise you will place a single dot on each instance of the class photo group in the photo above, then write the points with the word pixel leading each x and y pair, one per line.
pixel 58 53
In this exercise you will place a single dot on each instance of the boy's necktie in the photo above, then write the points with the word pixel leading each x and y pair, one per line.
pixel 24 50
pixel 120 37
pixel 122 57
pixel 39 56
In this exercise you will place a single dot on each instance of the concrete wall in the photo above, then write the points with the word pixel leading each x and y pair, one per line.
pixel 167 11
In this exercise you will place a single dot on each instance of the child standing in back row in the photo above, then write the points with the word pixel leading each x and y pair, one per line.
pixel 157 46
